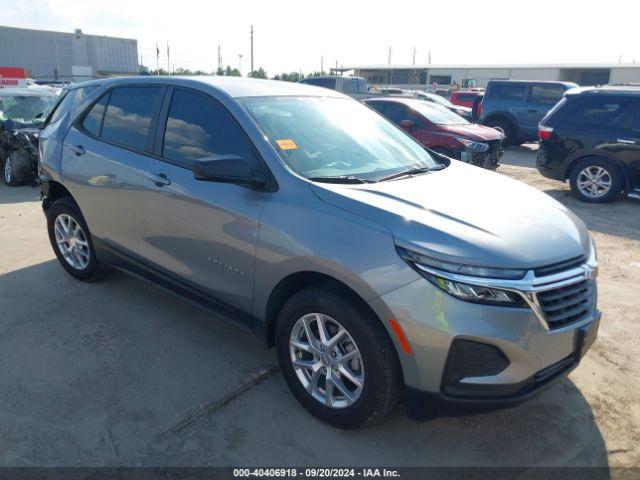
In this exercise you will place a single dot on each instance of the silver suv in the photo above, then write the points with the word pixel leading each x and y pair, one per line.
pixel 375 267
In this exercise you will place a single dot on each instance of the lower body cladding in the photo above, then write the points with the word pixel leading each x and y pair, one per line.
pixel 467 357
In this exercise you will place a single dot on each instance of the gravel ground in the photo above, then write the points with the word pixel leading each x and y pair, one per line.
pixel 120 373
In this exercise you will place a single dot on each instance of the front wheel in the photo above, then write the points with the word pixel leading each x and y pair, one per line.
pixel 337 358
pixel 8 171
pixel 506 129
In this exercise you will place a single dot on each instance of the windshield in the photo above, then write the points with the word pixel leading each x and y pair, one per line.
pixel 440 100
pixel 335 137
pixel 437 114
pixel 23 109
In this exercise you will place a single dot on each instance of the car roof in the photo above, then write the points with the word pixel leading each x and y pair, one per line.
pixel 409 101
pixel 235 87
pixel 26 92
pixel 551 82
pixel 607 90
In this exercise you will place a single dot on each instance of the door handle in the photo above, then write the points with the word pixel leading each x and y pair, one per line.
pixel 160 179
pixel 532 110
pixel 77 149
pixel 626 141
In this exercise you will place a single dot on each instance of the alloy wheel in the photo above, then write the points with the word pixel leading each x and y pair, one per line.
pixel 72 241
pixel 326 360
pixel 7 170
pixel 594 181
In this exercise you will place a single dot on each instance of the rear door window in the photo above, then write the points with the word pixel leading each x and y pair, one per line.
pixel 129 114
pixel 595 113
pixel 507 91
pixel 546 94
pixel 198 127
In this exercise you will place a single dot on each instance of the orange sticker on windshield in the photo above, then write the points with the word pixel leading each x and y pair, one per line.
pixel 287 144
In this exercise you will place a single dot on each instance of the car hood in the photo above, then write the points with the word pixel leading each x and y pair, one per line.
pixel 468 215
pixel 472 131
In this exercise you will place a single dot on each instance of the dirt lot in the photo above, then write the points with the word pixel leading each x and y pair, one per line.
pixel 120 373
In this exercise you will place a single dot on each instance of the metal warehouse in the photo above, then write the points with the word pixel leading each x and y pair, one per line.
pixel 67 56
pixel 418 76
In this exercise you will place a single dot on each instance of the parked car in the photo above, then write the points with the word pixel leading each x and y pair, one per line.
pixel 515 107
pixel 464 112
pixel 464 98
pixel 355 87
pixel 22 114
pixel 306 218
pixel 443 131
pixel 592 139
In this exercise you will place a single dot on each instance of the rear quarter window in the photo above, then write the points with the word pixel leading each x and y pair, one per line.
pixel 546 94
pixel 594 113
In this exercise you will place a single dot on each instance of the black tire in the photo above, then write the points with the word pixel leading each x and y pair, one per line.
pixel 8 177
pixel 612 170
pixel 94 270
pixel 383 376
pixel 507 130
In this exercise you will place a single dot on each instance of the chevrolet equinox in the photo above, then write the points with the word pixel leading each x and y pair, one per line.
pixel 377 268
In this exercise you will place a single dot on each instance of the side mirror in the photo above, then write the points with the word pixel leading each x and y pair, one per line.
pixel 408 125
pixel 228 169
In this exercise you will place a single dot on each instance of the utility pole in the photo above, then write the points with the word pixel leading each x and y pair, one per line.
pixel 429 56
pixel 389 57
pixel 168 61
pixel 321 64
pixel 251 31
pixel 414 56
pixel 240 63
pixel 219 59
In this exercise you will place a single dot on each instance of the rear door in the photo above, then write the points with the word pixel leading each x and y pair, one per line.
pixel 105 160
pixel 202 234
pixel 625 144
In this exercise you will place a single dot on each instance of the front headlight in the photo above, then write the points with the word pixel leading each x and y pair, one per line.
pixel 428 267
pixel 473 146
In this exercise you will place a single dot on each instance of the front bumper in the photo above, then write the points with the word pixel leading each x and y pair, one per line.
pixel 535 355
pixel 421 404
pixel 489 159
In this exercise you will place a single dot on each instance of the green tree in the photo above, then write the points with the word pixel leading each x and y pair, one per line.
pixel 260 73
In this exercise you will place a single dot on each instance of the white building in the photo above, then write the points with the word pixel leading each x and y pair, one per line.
pixel 420 76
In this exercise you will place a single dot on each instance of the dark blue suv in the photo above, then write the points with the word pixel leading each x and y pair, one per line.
pixel 516 107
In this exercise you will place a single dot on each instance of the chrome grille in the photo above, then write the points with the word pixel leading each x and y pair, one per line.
pixel 568 304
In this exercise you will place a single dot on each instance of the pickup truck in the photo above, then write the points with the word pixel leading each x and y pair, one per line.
pixel 516 107
pixel 355 87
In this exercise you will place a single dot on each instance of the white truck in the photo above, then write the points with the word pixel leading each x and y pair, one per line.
pixel 355 87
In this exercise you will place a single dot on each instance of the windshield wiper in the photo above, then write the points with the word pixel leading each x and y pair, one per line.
pixel 339 179
pixel 413 171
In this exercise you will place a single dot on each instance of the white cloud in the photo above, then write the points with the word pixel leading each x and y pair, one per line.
pixel 292 35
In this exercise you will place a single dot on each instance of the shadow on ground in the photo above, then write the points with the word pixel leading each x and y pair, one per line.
pixel 120 373
pixel 18 194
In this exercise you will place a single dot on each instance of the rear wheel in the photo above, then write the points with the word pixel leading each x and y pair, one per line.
pixel 506 129
pixel 71 241
pixel 337 358
pixel 596 180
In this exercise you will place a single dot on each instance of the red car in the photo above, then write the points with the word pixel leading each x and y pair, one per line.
pixel 443 131
pixel 464 98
